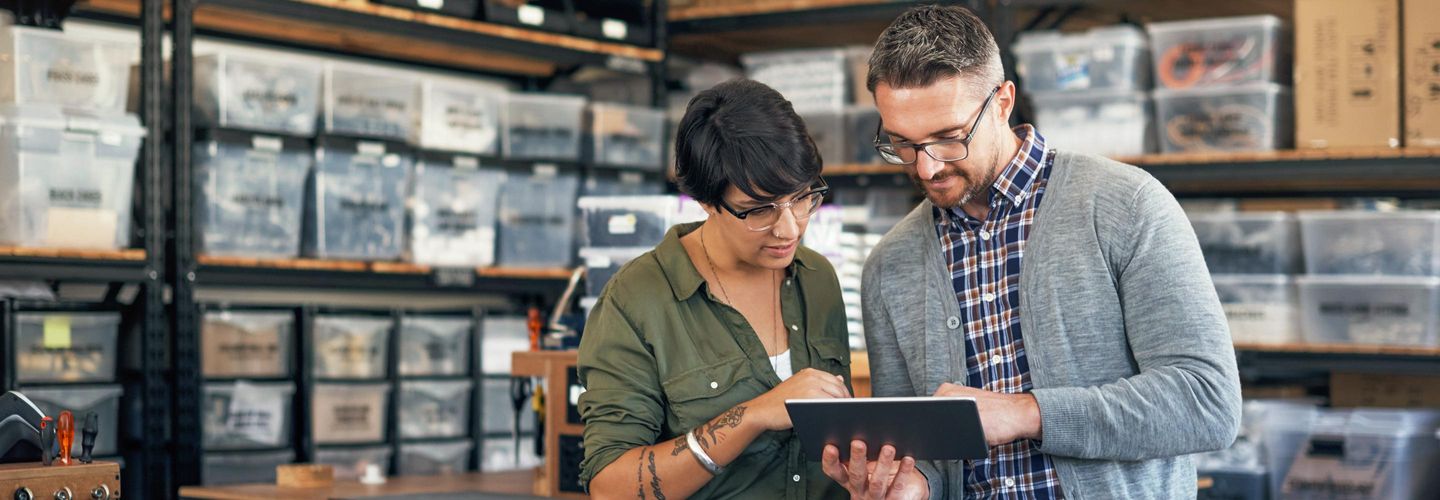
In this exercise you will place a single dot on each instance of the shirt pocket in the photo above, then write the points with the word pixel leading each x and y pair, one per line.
pixel 701 394
pixel 832 357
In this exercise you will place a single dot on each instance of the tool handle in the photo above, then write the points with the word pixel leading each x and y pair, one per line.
pixel 65 433
pixel 47 440
pixel 87 436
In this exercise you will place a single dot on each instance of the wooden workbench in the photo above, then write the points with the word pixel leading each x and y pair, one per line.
pixel 514 484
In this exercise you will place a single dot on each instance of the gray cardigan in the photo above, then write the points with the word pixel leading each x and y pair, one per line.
pixel 1129 351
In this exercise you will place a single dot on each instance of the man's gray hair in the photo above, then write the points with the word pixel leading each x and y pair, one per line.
pixel 932 42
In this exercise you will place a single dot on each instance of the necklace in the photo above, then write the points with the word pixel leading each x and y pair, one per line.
pixel 775 297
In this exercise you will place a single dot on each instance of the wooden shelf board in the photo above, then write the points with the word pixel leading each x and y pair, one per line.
pixel 131 255
pixel 1278 156
pixel 354 266
pixel 703 11
pixel 1341 349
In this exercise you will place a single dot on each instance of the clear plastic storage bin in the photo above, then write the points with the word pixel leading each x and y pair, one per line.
pixel 46 66
pixel 1356 242
pixel 1261 308
pixel 1249 242
pixel 248 415
pixel 246 344
pixel 543 126
pixel 435 459
pixel 1383 310
pixel 1251 118
pixel 861 123
pixel 350 463
pixel 66 177
pixel 1101 122
pixel 827 129
pixel 219 469
pixel 1355 454
pixel 267 93
pixel 627 136
pixel 434 409
pixel 501 337
pixel 357 208
pixel 811 79
pixel 1217 52
pixel 460 116
pixel 351 346
pixel 434 345
pixel 370 102
pixel 66 346
pixel 1109 58
pixel 104 401
pixel 500 455
pixel 349 413
pixel 499 409
pixel 621 183
pixel 537 217
pixel 452 212
pixel 601 264
pixel 251 193
pixel 634 221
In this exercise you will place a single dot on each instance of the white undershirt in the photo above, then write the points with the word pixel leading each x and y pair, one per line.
pixel 781 364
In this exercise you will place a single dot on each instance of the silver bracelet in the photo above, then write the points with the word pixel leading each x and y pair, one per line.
pixel 701 456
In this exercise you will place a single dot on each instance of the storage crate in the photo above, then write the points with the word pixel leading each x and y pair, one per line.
pixel 46 66
pixel 1249 242
pixel 357 200
pixel 349 413
pixel 1101 122
pixel 435 459
pixel 1229 51
pixel 271 93
pixel 434 345
pixel 350 346
pixel 1355 454
pixel 104 401
pixel 460 116
pixel 1370 310
pixel 537 217
pixel 246 344
pixel 1255 117
pixel 1261 308
pixel 543 126
pixel 1105 58
pixel 452 212
pixel 66 346
pixel 370 102
pixel 251 193
pixel 434 409
pixel 245 415
pixel 1356 242
pixel 626 136
pixel 350 463
pixel 219 469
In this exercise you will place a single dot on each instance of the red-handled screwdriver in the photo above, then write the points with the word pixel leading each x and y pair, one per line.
pixel 65 433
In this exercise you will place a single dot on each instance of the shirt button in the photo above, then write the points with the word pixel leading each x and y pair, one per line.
pixel 795 478
pixel 989 297
pixel 714 385
pixel 795 327
pixel 952 322
pixel 787 282
pixel 985 235
pixel 1009 482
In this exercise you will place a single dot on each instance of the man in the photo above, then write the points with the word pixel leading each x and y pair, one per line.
pixel 1064 292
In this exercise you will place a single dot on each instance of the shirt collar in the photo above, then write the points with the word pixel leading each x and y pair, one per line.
pixel 680 271
pixel 1016 180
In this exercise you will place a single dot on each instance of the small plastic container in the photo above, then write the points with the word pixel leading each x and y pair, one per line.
pixel 1101 122
pixel 1106 58
pixel 249 344
pixel 627 136
pixel 500 455
pixel 66 346
pixel 621 183
pixel 46 66
pixel 246 415
pixel 66 176
pixel 1358 242
pixel 1250 118
pixel 1358 453
pixel 633 221
pixel 270 93
pixel 435 345
pixel 827 129
pixel 349 413
pixel 104 401
pixel 452 212
pixel 219 469
pixel 861 123
pixel 537 217
pixel 1370 310
pixel 811 79
pixel 351 347
pixel 502 336
pixel 543 126
pixel 434 409
pixel 1261 308
pixel 498 410
pixel 601 264
pixel 370 102
pixel 357 200
pixel 435 459
pixel 350 463
pixel 460 116
pixel 1249 242
pixel 1235 484
pixel 251 193
pixel 1218 52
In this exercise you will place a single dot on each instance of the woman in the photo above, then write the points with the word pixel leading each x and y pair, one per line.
pixel 694 347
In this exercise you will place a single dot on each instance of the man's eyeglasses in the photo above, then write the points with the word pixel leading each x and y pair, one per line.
pixel 946 150
pixel 764 217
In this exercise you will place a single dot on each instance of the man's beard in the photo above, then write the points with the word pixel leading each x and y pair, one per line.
pixel 972 189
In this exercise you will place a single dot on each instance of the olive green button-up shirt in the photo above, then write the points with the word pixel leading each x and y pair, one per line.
pixel 661 355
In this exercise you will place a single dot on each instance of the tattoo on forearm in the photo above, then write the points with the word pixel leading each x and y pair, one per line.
pixel 655 480
pixel 640 475
pixel 680 446
pixel 728 420
pixel 704 443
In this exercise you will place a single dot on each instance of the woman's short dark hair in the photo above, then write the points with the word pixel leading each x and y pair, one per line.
pixel 743 133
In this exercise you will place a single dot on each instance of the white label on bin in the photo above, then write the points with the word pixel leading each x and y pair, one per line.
pixel 390 161
pixel 466 162
pixel 370 148
pixel 623 224
pixel 111 138
pixel 80 227
pixel 264 143
pixel 431 4
pixel 598 261
pixel 531 15
pixel 614 29
pixel 255 414
pixel 546 170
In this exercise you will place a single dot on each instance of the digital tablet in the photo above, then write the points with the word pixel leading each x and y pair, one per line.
pixel 922 428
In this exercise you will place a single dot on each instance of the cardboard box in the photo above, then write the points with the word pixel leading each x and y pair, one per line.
pixel 1347 73
pixel 1351 390
pixel 1422 73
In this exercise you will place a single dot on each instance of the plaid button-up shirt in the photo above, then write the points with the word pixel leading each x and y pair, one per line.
pixel 984 259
